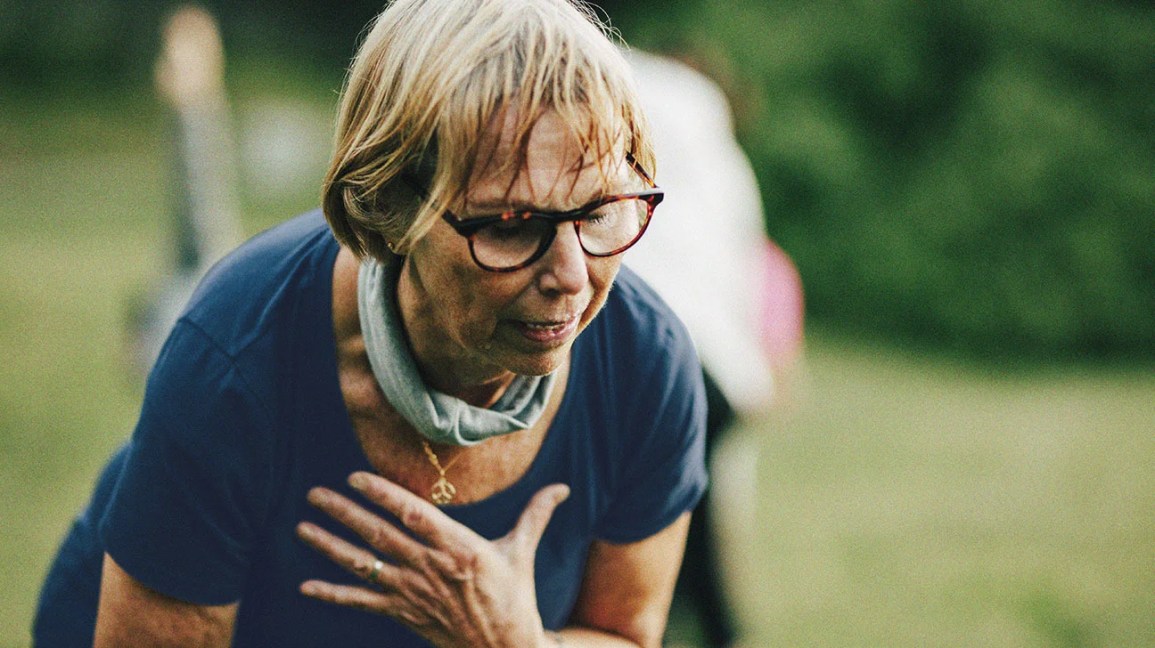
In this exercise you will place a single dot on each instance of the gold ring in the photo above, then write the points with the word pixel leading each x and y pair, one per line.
pixel 377 567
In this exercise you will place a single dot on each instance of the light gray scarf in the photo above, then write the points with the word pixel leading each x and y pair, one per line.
pixel 439 417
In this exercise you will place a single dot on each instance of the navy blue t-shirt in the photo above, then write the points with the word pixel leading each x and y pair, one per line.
pixel 243 414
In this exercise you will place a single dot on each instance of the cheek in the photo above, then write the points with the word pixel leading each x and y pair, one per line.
pixel 451 286
pixel 602 275
pixel 476 304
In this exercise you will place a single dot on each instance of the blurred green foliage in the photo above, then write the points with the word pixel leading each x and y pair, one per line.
pixel 975 174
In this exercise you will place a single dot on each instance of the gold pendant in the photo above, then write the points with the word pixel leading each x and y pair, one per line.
pixel 442 492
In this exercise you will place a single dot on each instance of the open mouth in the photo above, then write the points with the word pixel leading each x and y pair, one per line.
pixel 552 326
pixel 548 331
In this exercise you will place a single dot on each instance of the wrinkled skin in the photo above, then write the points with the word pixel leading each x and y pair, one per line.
pixel 450 585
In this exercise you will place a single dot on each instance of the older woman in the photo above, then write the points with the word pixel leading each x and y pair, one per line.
pixel 362 434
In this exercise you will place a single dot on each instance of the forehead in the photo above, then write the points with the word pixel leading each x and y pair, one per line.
pixel 549 169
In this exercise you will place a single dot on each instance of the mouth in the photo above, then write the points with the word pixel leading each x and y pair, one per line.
pixel 550 331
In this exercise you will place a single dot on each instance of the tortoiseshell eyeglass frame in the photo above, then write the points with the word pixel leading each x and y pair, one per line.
pixel 469 227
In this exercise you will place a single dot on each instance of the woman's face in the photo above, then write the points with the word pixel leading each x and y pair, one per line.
pixel 470 326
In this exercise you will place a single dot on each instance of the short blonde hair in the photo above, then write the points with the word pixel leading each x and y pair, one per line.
pixel 433 76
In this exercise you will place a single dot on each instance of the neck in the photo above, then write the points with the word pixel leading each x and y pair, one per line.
pixel 443 363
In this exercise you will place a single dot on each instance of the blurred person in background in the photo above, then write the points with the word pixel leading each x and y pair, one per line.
pixel 363 427
pixel 739 294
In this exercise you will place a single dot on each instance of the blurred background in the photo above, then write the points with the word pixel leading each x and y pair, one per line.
pixel 967 456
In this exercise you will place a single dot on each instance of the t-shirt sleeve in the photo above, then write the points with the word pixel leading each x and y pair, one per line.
pixel 662 473
pixel 190 497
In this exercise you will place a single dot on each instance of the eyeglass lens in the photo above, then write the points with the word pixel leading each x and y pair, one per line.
pixel 607 229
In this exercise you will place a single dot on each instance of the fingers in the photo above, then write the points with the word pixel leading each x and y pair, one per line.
pixel 419 516
pixel 380 534
pixel 429 523
pixel 351 558
pixel 435 578
pixel 360 598
pixel 536 516
pixel 396 590
pixel 349 596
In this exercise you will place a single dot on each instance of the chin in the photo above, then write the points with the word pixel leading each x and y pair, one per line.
pixel 538 364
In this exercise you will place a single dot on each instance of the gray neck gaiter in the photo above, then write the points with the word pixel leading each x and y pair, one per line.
pixel 440 418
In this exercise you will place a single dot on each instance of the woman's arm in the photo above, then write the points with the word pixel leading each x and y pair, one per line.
pixel 627 589
pixel 131 614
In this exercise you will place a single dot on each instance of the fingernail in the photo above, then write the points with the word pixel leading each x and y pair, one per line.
pixel 317 496
pixel 305 530
pixel 359 480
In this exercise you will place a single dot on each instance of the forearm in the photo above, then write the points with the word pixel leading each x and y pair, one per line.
pixel 132 615
pixel 627 590
pixel 579 637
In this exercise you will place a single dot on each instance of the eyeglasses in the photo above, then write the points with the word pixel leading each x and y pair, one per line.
pixel 515 239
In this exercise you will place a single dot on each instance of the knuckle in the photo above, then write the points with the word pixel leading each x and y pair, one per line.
pixel 378 536
pixel 425 594
pixel 413 515
pixel 407 616
pixel 412 583
pixel 463 564
pixel 341 597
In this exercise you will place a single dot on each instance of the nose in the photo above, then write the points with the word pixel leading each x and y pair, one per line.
pixel 564 268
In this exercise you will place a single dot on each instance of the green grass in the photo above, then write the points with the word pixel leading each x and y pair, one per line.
pixel 907 501
pixel 903 501
pixel 74 245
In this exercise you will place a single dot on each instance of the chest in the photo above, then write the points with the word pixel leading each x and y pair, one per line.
pixel 504 473
pixel 395 450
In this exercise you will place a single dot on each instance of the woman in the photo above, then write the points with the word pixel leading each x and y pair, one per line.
pixel 362 434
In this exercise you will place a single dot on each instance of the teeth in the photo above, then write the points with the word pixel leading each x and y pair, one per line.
pixel 550 325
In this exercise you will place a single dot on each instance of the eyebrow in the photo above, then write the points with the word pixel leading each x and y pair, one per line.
pixel 492 205
pixel 488 207
pixel 496 205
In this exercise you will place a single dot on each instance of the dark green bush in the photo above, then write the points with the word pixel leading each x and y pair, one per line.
pixel 977 174
pixel 79 43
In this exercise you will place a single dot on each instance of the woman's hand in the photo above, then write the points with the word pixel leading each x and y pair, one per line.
pixel 450 585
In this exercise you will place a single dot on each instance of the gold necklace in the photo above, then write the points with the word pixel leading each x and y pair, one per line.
pixel 442 492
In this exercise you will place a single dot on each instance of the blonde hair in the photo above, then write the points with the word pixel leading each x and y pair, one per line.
pixel 429 81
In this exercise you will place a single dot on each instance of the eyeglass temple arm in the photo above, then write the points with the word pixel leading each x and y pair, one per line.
pixel 636 166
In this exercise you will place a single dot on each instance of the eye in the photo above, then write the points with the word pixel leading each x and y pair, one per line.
pixel 506 229
pixel 608 213
pixel 599 215
pixel 518 228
